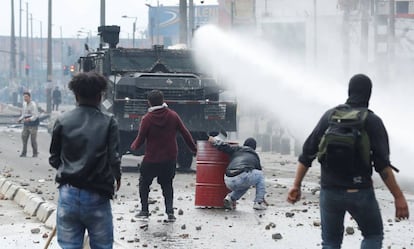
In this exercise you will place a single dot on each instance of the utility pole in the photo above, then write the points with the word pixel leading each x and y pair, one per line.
pixel 345 37
pixel 49 59
pixel 315 35
pixel 232 7
pixel 20 40
pixel 12 46
pixel 61 51
pixel 391 30
pixel 183 21
pixel 157 15
pixel 31 45
pixel 27 44
pixel 41 48
pixel 191 13
pixel 365 6
pixel 101 42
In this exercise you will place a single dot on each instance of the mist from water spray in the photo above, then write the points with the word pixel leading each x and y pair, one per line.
pixel 265 77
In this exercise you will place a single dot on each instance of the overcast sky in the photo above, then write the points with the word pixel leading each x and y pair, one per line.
pixel 75 15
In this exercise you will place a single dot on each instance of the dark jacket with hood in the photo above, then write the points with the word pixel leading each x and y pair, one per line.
pixel 84 150
pixel 359 94
pixel 158 130
pixel 242 158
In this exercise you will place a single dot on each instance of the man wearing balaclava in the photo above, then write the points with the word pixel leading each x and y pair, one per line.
pixel 352 190
pixel 244 170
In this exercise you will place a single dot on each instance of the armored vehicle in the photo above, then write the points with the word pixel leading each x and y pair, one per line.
pixel 134 72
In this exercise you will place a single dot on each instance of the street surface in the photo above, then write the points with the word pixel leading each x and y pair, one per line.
pixel 280 226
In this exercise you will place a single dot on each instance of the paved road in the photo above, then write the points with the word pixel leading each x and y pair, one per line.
pixel 196 227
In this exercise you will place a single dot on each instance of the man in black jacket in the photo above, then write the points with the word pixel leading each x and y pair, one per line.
pixel 84 150
pixel 352 191
pixel 243 171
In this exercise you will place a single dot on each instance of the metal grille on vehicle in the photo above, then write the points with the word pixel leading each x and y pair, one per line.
pixel 215 112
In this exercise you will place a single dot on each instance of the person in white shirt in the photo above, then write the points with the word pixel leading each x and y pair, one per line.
pixel 30 119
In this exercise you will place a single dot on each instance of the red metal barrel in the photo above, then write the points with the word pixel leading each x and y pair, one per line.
pixel 211 166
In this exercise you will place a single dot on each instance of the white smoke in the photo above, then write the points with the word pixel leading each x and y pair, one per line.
pixel 258 73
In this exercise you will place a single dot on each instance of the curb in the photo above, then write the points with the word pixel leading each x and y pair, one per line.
pixel 32 204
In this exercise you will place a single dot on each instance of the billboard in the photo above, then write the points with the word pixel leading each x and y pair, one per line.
pixel 164 21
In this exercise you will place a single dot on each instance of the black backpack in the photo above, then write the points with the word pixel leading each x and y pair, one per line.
pixel 345 144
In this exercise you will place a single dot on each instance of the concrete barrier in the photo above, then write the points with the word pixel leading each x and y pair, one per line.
pixel 22 196
pixel 44 211
pixel 11 191
pixel 6 185
pixel 33 205
pixel 51 220
pixel 2 181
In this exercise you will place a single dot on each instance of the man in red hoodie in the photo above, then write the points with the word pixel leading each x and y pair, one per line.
pixel 158 130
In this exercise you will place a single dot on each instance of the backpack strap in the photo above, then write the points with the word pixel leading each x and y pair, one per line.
pixel 347 116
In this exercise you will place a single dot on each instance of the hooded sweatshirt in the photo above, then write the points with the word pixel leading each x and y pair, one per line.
pixel 359 93
pixel 158 129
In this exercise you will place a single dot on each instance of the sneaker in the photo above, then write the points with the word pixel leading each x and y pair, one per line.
pixel 229 203
pixel 171 218
pixel 22 155
pixel 142 214
pixel 260 205
pixel 35 155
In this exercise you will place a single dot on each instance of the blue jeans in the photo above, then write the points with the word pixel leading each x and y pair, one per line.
pixel 361 205
pixel 241 183
pixel 79 210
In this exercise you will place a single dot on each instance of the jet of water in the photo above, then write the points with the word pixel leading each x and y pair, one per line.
pixel 266 77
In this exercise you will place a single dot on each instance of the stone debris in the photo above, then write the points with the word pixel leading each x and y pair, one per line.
pixel 35 230
pixel 154 233
pixel 350 230
pixel 159 234
pixel 270 225
pixel 184 236
pixel 316 223
pixel 289 214
pixel 277 236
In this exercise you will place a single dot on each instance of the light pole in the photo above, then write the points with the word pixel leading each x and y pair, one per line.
pixel 134 24
pixel 88 34
pixel 41 43
pixel 151 23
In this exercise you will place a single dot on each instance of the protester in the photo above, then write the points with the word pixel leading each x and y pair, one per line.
pixel 350 188
pixel 243 172
pixel 30 119
pixel 56 98
pixel 158 130
pixel 84 150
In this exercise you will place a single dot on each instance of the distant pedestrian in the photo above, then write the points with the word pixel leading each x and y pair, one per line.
pixel 158 130
pixel 346 169
pixel 84 150
pixel 243 172
pixel 30 119
pixel 56 98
